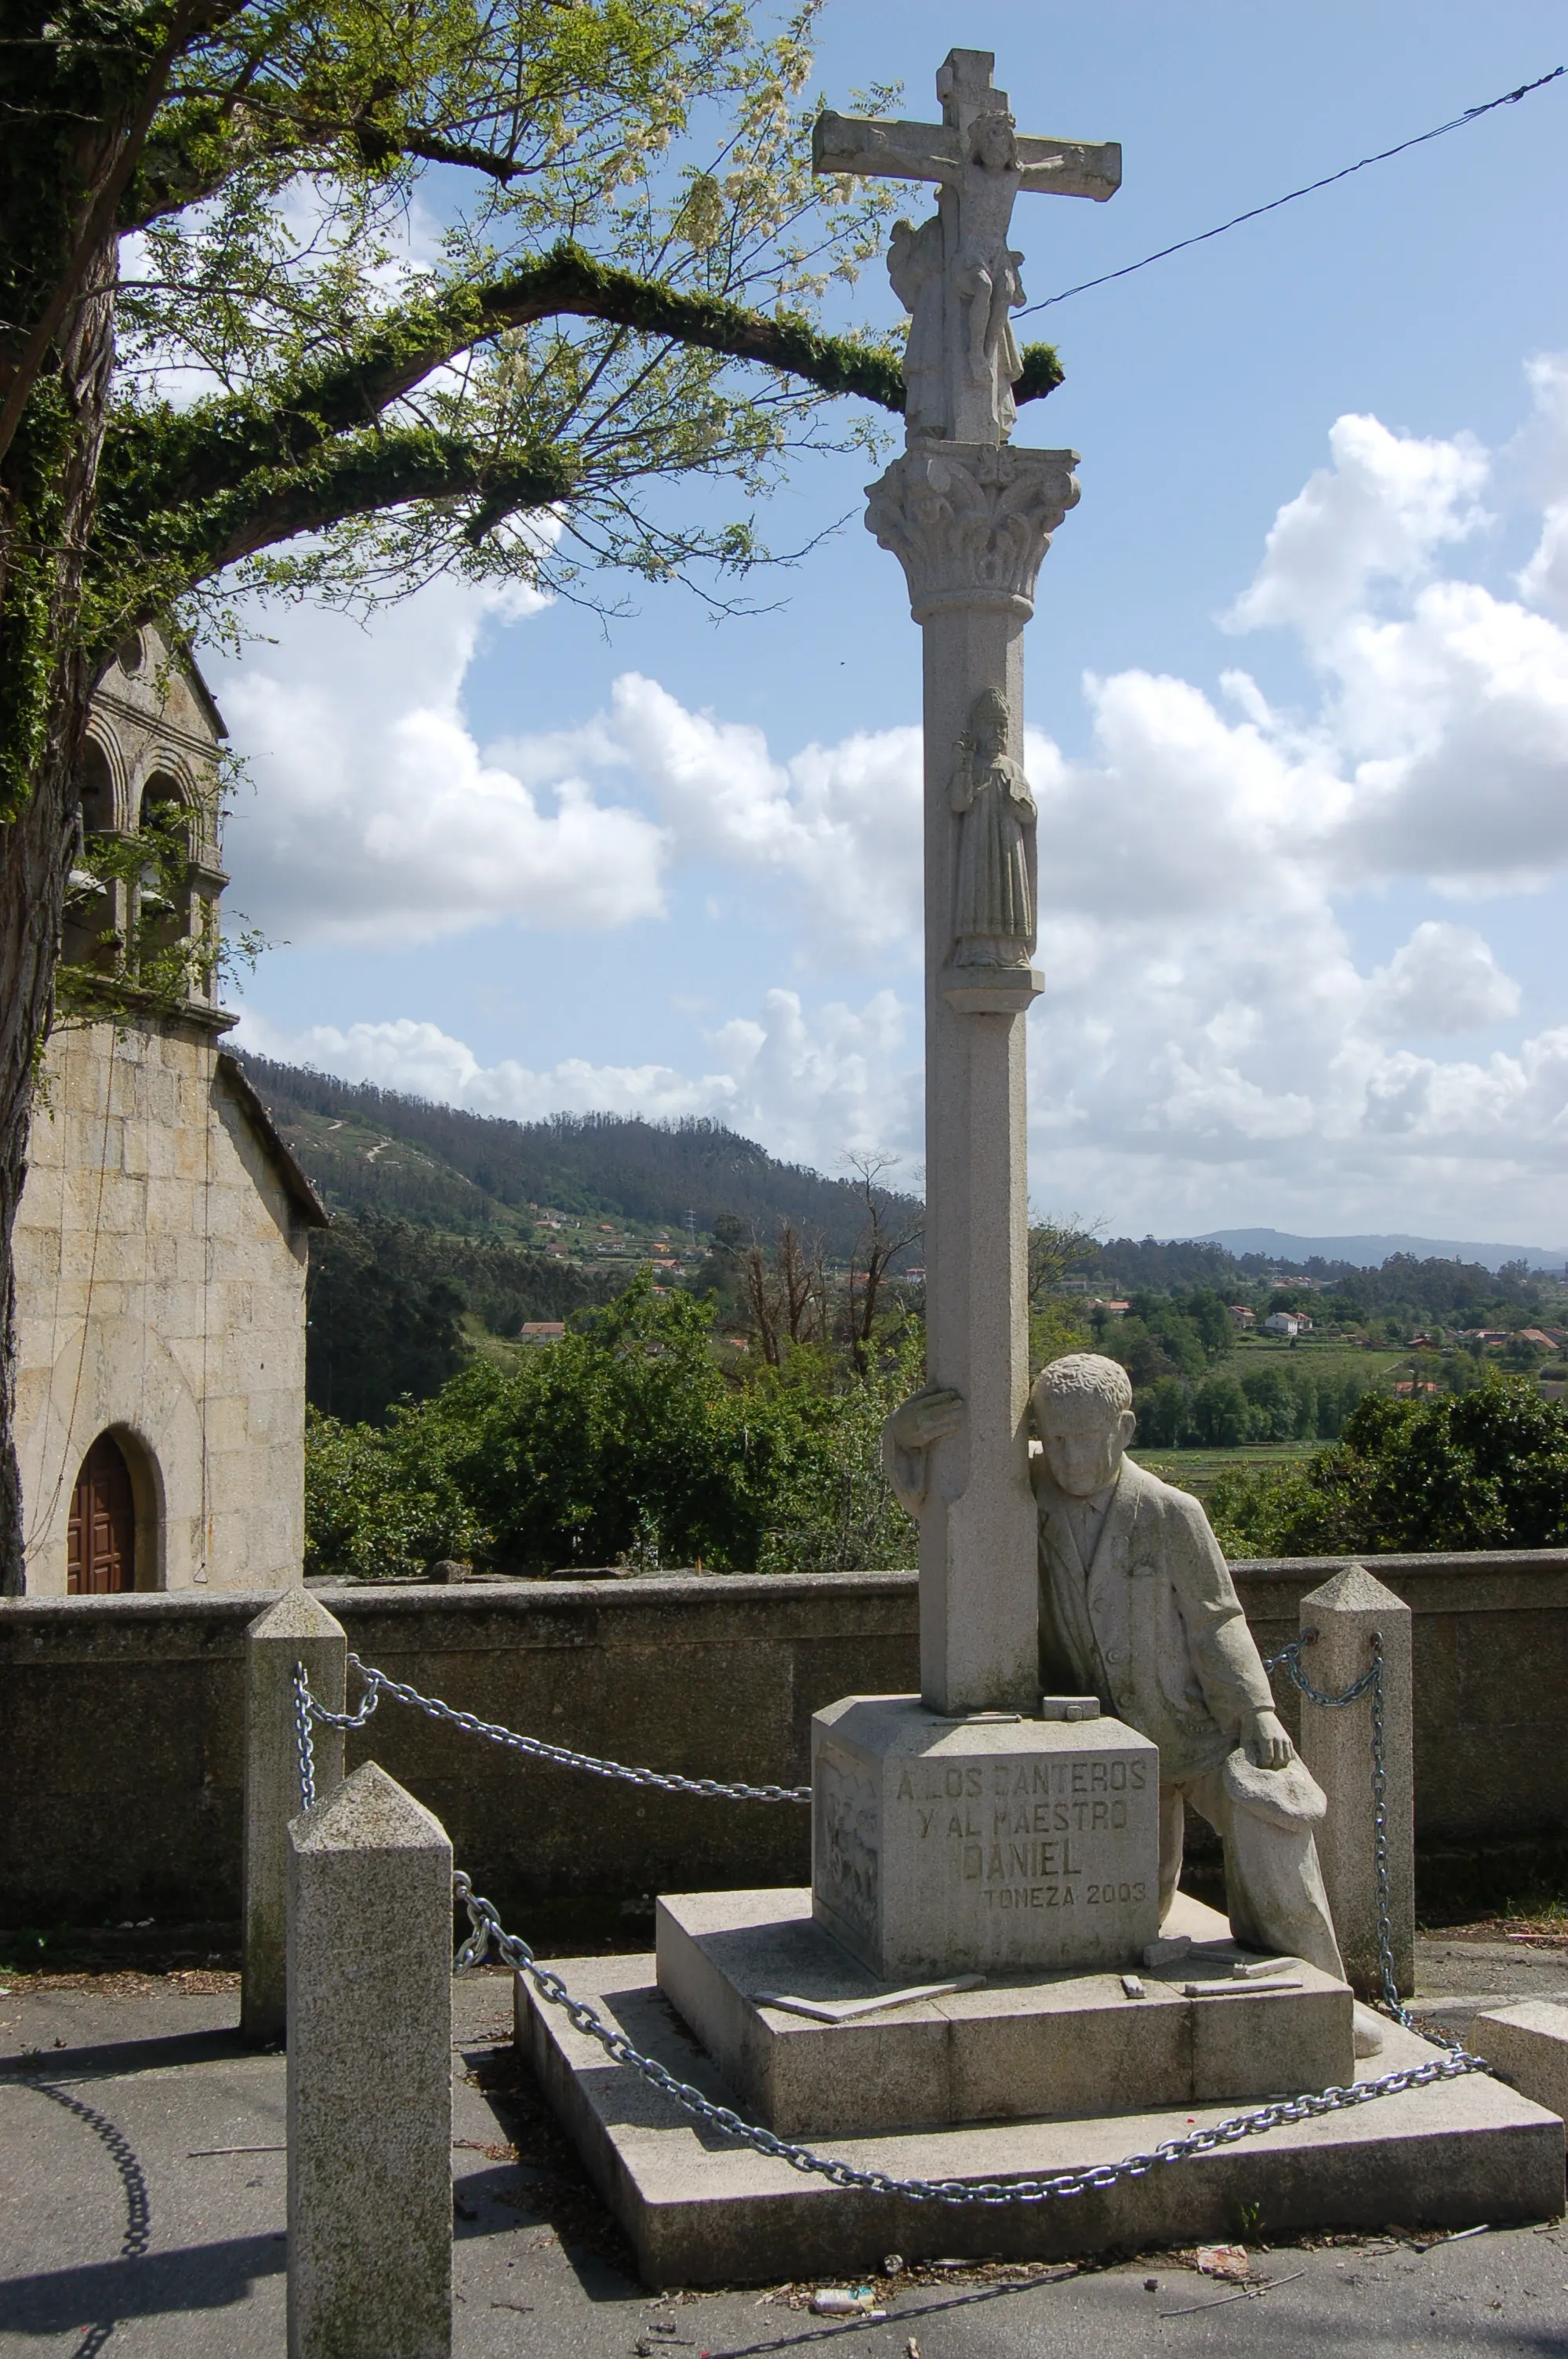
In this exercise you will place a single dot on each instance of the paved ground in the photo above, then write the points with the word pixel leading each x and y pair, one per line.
pixel 142 2211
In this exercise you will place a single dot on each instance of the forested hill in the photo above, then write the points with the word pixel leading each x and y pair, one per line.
pixel 373 1150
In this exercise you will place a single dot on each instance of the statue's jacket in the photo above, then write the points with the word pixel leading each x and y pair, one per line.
pixel 1153 1626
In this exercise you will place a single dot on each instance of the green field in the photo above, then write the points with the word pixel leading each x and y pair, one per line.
pixel 1198 1469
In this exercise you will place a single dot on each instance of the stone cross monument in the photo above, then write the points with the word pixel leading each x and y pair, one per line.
pixel 971 518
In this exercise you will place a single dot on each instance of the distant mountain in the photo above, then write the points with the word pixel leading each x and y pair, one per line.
pixel 1371 1253
pixel 372 1151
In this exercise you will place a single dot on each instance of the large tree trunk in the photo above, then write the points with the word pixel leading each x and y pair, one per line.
pixel 51 522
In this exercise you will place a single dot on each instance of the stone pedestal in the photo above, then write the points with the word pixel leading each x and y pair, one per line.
pixel 702 2209
pixel 970 523
pixel 1018 2048
pixel 992 1844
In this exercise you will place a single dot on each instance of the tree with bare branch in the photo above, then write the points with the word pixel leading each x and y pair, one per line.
pixel 891 1226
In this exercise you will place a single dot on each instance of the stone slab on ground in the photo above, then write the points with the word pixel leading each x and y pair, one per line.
pixel 1460 1975
pixel 1017 2048
pixel 699 2210
pixel 1528 2042
pixel 159 2061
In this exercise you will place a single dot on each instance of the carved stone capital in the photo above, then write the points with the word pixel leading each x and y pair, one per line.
pixel 971 525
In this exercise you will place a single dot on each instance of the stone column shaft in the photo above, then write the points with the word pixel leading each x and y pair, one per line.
pixel 970 526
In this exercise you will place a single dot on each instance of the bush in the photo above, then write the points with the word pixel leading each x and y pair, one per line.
pixel 623 1444
pixel 1485 1469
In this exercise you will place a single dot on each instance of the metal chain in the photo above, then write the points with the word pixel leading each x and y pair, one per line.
pixel 669 1781
pixel 305 1711
pixel 513 1951
pixel 1371 1682
pixel 488 1932
pixel 305 1708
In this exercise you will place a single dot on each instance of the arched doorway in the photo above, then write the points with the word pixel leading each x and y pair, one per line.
pixel 100 1548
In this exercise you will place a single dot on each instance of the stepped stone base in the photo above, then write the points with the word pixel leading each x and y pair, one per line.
pixel 1020 2046
pixel 699 2210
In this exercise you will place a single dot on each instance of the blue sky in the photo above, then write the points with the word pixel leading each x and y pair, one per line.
pixel 1297 695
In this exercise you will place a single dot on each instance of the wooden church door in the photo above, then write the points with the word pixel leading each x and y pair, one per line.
pixel 102 1544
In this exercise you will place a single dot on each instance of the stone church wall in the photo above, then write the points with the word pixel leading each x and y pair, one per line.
pixel 161 1270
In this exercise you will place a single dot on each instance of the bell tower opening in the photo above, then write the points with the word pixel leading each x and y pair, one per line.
pixel 100 1548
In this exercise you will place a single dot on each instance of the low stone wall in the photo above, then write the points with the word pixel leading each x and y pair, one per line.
pixel 121 1763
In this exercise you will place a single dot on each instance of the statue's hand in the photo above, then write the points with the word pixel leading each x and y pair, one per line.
pixel 926 1418
pixel 909 1433
pixel 1268 1746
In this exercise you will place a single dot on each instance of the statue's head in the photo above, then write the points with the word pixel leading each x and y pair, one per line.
pixel 1083 1414
pixel 992 141
pixel 988 721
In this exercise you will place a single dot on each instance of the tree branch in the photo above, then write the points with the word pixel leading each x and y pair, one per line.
pixel 102 211
pixel 362 475
pixel 197 453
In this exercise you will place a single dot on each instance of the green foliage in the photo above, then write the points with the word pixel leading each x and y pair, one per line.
pixel 624 1443
pixel 1057 1325
pixel 614 208
pixel 386 1304
pixel 1164 1335
pixel 381 1324
pixel 1264 1401
pixel 384 1506
pixel 1485 1470
pixel 627 210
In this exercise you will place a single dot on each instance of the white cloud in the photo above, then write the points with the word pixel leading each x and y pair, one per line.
pixel 375 817
pixel 839 826
pixel 1208 1045
pixel 1444 979
pixel 1380 511
pixel 1542 447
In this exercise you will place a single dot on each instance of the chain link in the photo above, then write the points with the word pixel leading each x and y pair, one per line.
pixel 669 1781
pixel 514 1952
pixel 305 1708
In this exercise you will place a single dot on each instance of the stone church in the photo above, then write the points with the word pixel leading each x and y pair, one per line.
pixel 162 1240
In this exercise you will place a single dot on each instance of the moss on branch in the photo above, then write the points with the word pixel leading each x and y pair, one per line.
pixel 363 475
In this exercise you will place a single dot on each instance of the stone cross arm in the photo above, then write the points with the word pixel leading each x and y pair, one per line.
pixel 932 152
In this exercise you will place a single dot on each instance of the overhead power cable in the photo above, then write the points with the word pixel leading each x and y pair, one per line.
pixel 1456 123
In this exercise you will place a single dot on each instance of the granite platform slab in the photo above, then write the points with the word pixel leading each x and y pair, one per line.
pixel 1021 2045
pixel 700 2210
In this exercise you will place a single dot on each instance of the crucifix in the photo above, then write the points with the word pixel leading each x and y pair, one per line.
pixel 969 515
pixel 957 275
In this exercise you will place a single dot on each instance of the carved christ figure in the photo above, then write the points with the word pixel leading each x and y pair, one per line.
pixel 957 278
pixel 994 908
pixel 985 278
pixel 957 275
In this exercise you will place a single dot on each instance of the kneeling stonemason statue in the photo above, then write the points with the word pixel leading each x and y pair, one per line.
pixel 1137 1607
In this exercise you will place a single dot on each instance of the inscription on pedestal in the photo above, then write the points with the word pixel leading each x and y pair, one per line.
pixel 1030 1834
pixel 949 1846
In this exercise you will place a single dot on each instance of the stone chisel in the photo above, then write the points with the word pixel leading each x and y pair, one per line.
pixel 845 2010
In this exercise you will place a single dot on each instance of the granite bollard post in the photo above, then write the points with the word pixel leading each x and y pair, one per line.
pixel 370 2076
pixel 296 1629
pixel 1336 1745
